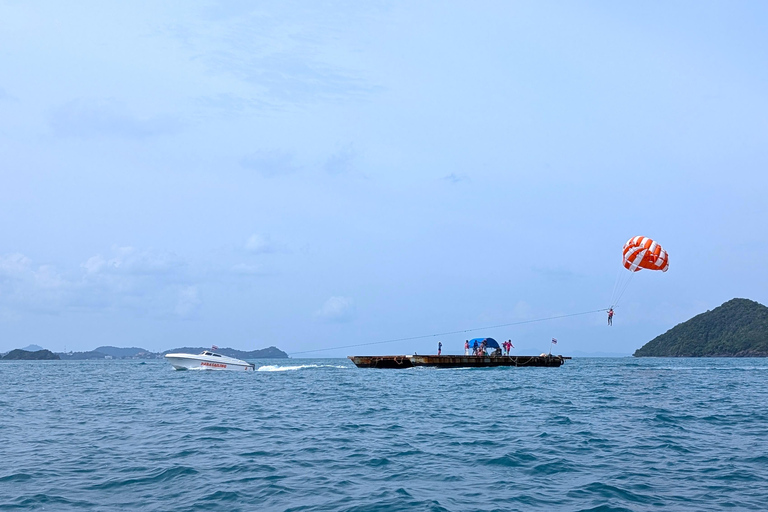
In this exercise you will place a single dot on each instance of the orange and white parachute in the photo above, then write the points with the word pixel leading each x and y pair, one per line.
pixel 639 253
pixel 642 252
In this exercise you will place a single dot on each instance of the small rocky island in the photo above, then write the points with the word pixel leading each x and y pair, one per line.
pixel 738 328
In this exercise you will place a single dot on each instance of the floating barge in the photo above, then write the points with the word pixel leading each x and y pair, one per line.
pixel 548 361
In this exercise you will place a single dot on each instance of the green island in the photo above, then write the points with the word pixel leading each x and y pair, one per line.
pixel 738 328
pixel 264 353
pixel 26 355
pixel 109 352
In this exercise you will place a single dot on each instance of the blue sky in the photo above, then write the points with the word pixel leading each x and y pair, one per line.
pixel 315 175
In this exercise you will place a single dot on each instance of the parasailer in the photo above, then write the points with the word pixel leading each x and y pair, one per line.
pixel 640 252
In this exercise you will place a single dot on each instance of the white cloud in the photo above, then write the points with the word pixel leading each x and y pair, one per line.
pixel 259 244
pixel 94 265
pixel 129 261
pixel 142 281
pixel 14 265
pixel 46 277
pixel 337 309
pixel 22 285
pixel 274 53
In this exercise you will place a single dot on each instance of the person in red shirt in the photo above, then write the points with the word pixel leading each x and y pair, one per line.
pixel 610 316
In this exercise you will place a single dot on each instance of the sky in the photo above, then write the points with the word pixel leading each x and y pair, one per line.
pixel 317 175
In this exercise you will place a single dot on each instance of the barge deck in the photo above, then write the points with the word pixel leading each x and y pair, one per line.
pixel 448 361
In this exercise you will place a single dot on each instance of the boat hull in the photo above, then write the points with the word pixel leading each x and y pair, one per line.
pixel 196 363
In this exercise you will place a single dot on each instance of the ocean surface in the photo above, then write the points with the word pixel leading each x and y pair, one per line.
pixel 322 435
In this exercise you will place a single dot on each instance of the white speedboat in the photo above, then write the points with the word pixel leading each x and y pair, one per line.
pixel 207 360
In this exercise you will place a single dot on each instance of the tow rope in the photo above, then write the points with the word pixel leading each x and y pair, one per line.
pixel 450 332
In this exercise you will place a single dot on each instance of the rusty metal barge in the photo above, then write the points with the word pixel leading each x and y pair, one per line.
pixel 546 360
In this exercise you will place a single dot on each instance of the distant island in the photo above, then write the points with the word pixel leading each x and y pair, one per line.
pixel 109 352
pixel 738 328
pixel 26 355
pixel 264 353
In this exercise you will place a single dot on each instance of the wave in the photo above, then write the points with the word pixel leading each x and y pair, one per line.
pixel 585 437
pixel 160 475
pixel 16 477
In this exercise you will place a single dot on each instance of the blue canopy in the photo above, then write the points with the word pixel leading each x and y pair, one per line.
pixel 489 342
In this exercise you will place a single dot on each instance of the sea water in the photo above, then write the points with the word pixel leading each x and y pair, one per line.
pixel 322 435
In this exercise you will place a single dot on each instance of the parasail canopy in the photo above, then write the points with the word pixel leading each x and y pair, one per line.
pixel 642 252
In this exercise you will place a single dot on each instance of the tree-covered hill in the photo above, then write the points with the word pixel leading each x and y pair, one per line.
pixel 264 353
pixel 738 328
pixel 26 355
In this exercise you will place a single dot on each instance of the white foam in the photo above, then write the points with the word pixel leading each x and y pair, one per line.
pixel 272 368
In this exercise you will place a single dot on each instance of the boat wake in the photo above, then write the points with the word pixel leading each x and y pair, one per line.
pixel 271 368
